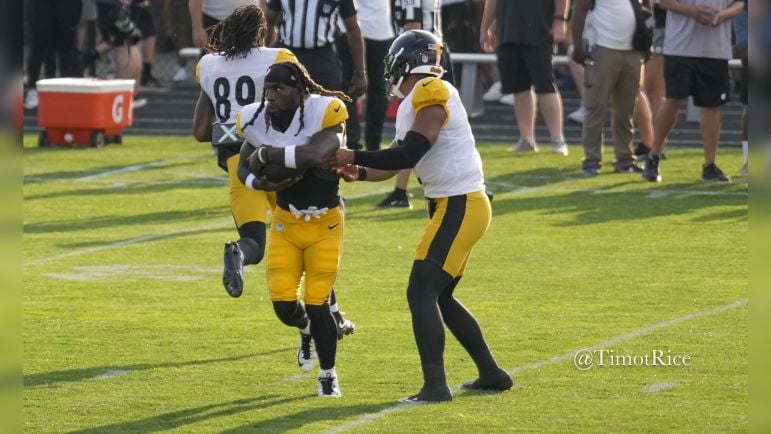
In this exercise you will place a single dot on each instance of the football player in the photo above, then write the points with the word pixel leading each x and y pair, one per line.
pixel 434 137
pixel 231 77
pixel 298 124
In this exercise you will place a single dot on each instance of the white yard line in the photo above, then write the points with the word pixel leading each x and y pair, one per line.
pixel 134 168
pixel 219 224
pixel 658 387
pixel 369 417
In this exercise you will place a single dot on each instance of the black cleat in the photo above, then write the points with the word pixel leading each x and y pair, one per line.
pixel 499 381
pixel 437 394
pixel 711 172
pixel 395 199
pixel 651 170
pixel 233 273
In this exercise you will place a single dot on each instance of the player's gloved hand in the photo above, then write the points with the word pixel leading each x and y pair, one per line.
pixel 264 184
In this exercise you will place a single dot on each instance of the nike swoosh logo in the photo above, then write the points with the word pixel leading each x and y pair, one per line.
pixel 427 83
pixel 337 109
pixel 333 226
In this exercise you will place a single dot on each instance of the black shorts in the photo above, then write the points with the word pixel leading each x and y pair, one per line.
pixel 105 21
pixel 704 79
pixel 144 21
pixel 524 66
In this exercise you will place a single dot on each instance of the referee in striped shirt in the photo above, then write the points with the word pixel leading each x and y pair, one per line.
pixel 308 29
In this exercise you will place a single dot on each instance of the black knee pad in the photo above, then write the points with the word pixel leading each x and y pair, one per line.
pixel 291 313
pixel 252 242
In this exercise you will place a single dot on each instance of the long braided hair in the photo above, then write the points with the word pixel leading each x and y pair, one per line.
pixel 239 32
pixel 306 86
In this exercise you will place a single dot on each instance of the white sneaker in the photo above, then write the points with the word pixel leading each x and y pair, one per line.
pixel 180 75
pixel 306 353
pixel 578 115
pixel 523 146
pixel 745 170
pixel 31 101
pixel 329 387
pixel 559 147
pixel 494 93
pixel 507 99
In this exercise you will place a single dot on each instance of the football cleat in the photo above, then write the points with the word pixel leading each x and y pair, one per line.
pixel 233 273
pixel 438 394
pixel 500 381
pixel 329 387
pixel 306 353
pixel 344 327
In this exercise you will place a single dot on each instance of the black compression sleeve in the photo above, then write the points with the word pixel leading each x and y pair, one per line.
pixel 406 156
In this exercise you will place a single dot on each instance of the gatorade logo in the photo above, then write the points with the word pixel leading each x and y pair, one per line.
pixel 117 108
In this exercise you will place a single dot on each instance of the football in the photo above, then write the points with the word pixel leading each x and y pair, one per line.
pixel 276 173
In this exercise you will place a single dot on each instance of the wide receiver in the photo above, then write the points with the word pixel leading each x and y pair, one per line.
pixel 231 76
pixel 434 137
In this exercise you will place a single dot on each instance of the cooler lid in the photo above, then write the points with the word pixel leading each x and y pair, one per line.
pixel 84 85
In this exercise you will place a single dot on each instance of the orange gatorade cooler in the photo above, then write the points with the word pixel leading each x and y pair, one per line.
pixel 83 111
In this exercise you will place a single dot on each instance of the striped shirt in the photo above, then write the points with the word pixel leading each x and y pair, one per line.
pixel 427 12
pixel 310 24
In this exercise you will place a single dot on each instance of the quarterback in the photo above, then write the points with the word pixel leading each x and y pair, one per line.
pixel 433 136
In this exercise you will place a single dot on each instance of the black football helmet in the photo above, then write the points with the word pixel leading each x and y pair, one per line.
pixel 413 52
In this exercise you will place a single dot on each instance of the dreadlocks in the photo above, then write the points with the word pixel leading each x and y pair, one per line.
pixel 305 85
pixel 239 32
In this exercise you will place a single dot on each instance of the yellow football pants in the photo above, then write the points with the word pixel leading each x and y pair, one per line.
pixel 247 205
pixel 297 246
pixel 457 223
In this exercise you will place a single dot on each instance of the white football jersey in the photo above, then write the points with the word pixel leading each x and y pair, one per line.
pixel 452 166
pixel 232 84
pixel 319 112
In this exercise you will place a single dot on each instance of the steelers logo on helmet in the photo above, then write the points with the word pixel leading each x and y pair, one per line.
pixel 413 52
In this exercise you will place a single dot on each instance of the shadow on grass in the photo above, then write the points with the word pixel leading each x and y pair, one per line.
pixel 102 222
pixel 148 188
pixel 50 379
pixel 178 419
pixel 603 205
pixel 133 240
pixel 300 419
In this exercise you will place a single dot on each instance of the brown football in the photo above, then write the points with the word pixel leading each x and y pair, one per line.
pixel 276 173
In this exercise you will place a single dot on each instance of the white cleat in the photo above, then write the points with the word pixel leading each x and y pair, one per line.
pixel 180 75
pixel 329 387
pixel 306 353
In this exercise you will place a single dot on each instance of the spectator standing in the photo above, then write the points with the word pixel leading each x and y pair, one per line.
pixel 523 32
pixel 697 47
pixel 309 29
pixel 612 71
pixel 52 27
pixel 377 30
pixel 741 51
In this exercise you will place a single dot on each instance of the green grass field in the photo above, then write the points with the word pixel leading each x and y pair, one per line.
pixel 127 327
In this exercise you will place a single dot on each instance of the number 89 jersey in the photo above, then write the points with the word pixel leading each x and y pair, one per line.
pixel 234 83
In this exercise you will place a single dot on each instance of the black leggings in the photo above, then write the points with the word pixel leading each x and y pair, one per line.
pixel 432 305
pixel 52 26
